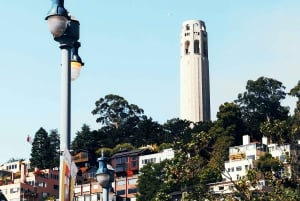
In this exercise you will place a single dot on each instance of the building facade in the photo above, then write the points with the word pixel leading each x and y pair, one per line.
pixel 194 72
pixel 126 166
pixel 156 158
pixel 244 157
pixel 28 185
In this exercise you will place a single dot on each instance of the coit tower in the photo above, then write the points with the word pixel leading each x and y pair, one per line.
pixel 194 72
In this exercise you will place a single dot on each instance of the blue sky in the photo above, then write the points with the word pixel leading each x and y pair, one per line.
pixel 131 48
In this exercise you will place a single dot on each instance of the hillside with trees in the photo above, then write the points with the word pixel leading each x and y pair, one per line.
pixel 200 148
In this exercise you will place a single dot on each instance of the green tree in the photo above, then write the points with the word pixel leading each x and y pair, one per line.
pixel 176 130
pixel 295 120
pixel 54 147
pixel 277 131
pixel 219 152
pixel 229 123
pixel 188 170
pixel 41 154
pixel 115 111
pixel 262 102
pixel 148 132
pixel 89 141
pixel 269 166
pixel 294 125
pixel 151 181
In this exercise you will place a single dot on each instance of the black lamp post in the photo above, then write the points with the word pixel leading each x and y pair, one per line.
pixel 65 30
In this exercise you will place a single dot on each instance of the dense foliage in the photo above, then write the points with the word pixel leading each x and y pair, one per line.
pixel 200 148
pixel 44 150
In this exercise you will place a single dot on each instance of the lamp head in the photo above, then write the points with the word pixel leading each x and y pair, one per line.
pixel 76 62
pixel 57 18
pixel 102 173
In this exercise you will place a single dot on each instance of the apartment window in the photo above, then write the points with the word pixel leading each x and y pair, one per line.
pixel 121 192
pixel 221 188
pixel 14 190
pixel 121 183
pixel 238 168
pixel 132 190
pixel 87 197
pixel 121 160
pixel 251 157
pixel 132 181
pixel 81 198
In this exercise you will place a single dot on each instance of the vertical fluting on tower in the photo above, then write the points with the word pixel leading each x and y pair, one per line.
pixel 194 72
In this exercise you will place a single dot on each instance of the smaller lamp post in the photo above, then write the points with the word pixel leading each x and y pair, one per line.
pixel 103 176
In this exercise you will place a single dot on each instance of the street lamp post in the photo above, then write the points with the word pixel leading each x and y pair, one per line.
pixel 103 177
pixel 65 30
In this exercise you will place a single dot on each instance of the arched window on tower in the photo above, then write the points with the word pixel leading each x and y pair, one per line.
pixel 203 27
pixel 195 26
pixel 196 47
pixel 187 27
pixel 186 47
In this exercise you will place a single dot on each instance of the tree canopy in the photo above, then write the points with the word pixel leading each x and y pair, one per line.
pixel 44 152
pixel 262 102
pixel 200 148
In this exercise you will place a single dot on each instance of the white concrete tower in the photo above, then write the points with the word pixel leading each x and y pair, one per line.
pixel 194 72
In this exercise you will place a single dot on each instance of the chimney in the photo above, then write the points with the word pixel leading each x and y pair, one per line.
pixel 264 140
pixel 246 139
pixel 23 173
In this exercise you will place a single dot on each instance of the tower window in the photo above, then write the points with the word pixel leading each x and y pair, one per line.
pixel 196 47
pixel 196 26
pixel 186 46
pixel 187 27
pixel 202 27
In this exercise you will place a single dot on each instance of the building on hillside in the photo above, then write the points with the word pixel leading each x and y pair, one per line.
pixel 126 166
pixel 283 154
pixel 15 166
pixel 86 172
pixel 90 192
pixel 194 72
pixel 30 186
pixel 156 158
pixel 243 157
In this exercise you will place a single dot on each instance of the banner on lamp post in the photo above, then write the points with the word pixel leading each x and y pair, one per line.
pixel 66 172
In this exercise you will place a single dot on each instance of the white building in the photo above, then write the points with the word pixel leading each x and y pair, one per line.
pixel 241 158
pixel 14 166
pixel 156 158
pixel 194 72
pixel 280 152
